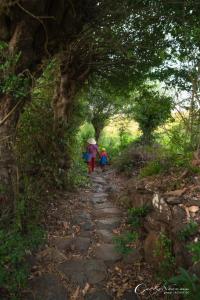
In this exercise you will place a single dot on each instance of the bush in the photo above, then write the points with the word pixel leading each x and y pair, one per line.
pixel 194 248
pixel 166 259
pixel 136 215
pixel 189 230
pixel 123 242
pixel 153 168
pixel 190 282
pixel 14 248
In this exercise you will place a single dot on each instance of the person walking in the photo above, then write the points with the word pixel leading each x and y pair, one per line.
pixel 92 150
pixel 103 159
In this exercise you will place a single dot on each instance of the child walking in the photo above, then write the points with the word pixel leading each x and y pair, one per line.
pixel 103 159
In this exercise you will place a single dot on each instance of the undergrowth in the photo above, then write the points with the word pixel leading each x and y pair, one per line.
pixel 15 247
pixel 124 242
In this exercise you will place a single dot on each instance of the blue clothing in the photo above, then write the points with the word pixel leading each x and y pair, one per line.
pixel 103 160
pixel 86 156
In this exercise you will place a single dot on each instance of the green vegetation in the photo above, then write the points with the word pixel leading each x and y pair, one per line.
pixel 16 85
pixel 190 282
pixel 124 242
pixel 188 231
pixel 150 109
pixel 136 215
pixel 15 247
pixel 166 259
pixel 194 248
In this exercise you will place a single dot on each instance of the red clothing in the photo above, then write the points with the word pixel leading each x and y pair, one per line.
pixel 103 153
pixel 91 165
pixel 92 150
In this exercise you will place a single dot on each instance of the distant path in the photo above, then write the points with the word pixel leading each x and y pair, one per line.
pixel 85 273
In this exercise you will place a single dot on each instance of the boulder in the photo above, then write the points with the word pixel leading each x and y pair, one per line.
pixel 150 244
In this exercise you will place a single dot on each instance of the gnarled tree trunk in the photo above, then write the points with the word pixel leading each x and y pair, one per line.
pixel 73 72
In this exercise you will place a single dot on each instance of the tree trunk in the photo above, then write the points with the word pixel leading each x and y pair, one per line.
pixel 73 73
pixel 8 167
pixel 98 129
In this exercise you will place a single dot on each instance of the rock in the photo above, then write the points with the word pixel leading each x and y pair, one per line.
pixel 107 253
pixel 154 222
pixel 105 204
pixel 106 212
pixel 97 188
pixel 176 193
pixel 161 206
pixel 193 209
pixel 95 271
pixel 51 255
pixel 80 218
pixel 193 201
pixel 178 219
pixel 195 269
pixel 87 226
pixel 74 271
pixel 82 244
pixel 100 195
pixel 98 200
pixel 137 198
pixel 47 287
pixel 133 257
pixel 182 255
pixel 80 272
pixel 173 200
pixel 150 244
pixel 105 235
pixel 112 189
pixel 86 233
pixel 98 295
pixel 108 224
pixel 178 213
pixel 61 244
pixel 99 180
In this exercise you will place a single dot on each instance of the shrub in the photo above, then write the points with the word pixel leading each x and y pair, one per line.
pixel 194 248
pixel 152 168
pixel 136 214
pixel 189 230
pixel 164 254
pixel 14 247
pixel 190 283
pixel 123 242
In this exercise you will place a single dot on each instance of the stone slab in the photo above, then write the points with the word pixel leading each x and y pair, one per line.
pixel 105 235
pixel 80 272
pixel 98 295
pixel 100 195
pixel 108 223
pixel 47 287
pixel 107 253
pixel 105 204
pixel 82 244
pixel 109 211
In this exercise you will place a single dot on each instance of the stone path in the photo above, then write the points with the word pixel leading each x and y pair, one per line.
pixel 95 251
